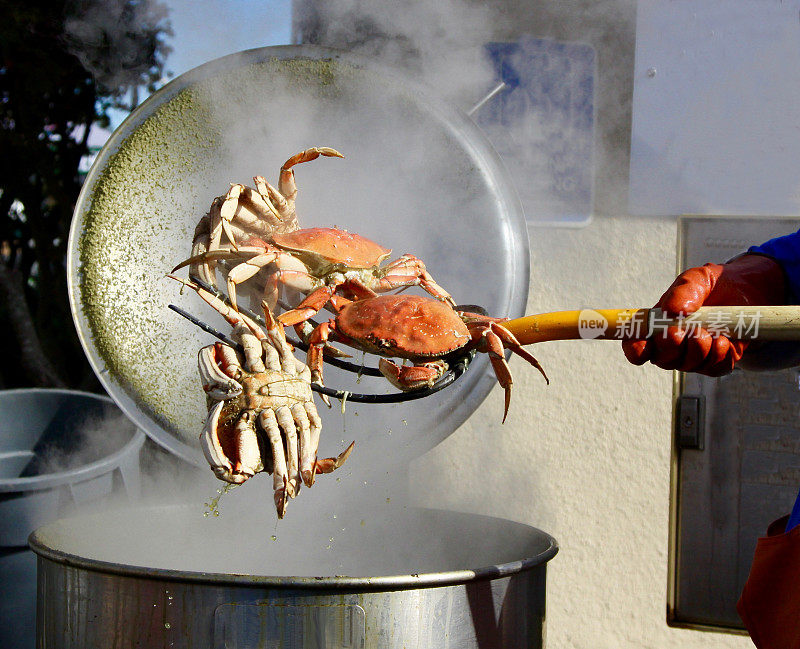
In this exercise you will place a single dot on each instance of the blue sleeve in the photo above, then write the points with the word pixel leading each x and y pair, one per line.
pixel 786 251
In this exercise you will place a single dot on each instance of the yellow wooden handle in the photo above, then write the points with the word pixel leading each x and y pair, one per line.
pixel 737 322
pixel 587 324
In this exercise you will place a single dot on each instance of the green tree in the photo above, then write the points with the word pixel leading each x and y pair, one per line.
pixel 63 65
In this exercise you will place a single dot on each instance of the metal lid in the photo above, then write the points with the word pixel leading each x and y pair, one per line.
pixel 418 177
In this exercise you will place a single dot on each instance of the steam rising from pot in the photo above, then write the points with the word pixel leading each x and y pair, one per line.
pixel 410 181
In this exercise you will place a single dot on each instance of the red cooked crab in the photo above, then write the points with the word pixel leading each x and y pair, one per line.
pixel 319 262
pixel 419 329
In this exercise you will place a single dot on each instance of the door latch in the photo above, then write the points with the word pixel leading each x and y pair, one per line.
pixel 690 424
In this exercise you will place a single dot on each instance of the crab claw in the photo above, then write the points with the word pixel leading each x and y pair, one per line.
pixel 330 464
pixel 412 377
pixel 217 385
pixel 235 458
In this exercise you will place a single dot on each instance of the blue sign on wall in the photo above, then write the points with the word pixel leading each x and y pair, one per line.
pixel 542 124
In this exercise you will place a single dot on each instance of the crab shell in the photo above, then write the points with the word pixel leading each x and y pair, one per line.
pixel 405 326
pixel 333 247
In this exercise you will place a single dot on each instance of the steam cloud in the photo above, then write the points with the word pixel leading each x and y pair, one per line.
pixel 118 41
pixel 404 183
pixel 441 43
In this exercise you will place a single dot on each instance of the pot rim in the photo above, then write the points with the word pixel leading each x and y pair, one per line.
pixel 387 582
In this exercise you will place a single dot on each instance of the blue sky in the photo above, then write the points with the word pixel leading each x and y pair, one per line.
pixel 204 30
pixel 207 29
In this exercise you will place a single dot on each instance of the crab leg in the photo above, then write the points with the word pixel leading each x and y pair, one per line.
pixel 284 209
pixel 220 253
pixel 309 307
pixel 316 342
pixel 492 339
pixel 510 341
pixel 245 271
pixel 203 269
pixel 317 299
pixel 330 464
pixel 277 336
pixel 233 317
pixel 246 452
pixel 310 428
pixel 303 425
pixel 224 216
pixel 286 184
pixel 287 425
pixel 280 477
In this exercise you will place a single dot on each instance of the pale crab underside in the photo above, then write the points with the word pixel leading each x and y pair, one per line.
pixel 262 415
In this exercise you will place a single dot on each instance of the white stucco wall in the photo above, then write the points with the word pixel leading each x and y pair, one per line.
pixel 587 458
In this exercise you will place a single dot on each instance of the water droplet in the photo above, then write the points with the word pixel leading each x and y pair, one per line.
pixel 212 506
pixel 334 515
pixel 167 625
pixel 274 537
pixel 651 72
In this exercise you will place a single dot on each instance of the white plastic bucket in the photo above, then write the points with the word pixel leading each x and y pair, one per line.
pixel 59 449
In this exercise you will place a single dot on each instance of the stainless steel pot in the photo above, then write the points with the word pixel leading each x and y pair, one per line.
pixel 85 602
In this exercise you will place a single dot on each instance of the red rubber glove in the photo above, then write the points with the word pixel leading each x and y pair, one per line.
pixel 752 280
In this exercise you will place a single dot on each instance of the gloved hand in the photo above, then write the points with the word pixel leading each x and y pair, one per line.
pixel 751 279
